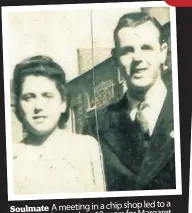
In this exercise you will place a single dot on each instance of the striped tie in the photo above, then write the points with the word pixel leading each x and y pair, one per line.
pixel 143 123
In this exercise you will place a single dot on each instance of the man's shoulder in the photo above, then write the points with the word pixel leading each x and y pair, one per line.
pixel 112 117
pixel 114 108
pixel 168 104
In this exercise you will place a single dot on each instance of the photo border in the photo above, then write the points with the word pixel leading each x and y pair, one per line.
pixel 11 195
pixel 190 177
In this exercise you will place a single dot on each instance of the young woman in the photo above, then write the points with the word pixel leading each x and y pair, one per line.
pixel 50 159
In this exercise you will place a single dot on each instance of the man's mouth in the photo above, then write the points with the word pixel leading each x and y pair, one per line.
pixel 138 72
pixel 140 69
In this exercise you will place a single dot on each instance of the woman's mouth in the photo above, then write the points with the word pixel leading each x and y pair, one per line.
pixel 40 119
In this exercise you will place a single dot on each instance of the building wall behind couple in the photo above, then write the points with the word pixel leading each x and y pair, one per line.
pixel 67 36
pixel 109 85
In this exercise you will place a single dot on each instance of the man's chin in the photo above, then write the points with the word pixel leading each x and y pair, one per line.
pixel 139 86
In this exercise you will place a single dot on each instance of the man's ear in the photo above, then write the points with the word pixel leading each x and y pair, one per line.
pixel 164 49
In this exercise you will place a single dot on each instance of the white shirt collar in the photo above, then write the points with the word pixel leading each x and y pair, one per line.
pixel 154 99
pixel 156 94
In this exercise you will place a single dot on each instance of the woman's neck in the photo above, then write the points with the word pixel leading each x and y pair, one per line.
pixel 37 140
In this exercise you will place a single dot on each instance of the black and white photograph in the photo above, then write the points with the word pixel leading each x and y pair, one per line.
pixel 91 100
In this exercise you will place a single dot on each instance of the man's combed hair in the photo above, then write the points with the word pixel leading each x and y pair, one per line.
pixel 166 31
pixel 133 20
pixel 40 65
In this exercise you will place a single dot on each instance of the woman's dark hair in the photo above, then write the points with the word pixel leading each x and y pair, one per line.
pixel 40 65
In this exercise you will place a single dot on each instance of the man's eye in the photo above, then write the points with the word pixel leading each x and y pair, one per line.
pixel 27 98
pixel 129 50
pixel 146 47
pixel 126 50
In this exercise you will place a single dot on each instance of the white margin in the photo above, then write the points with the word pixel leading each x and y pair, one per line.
pixel 11 195
pixel 190 177
pixel 101 6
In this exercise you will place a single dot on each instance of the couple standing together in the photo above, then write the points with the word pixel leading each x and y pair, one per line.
pixel 130 147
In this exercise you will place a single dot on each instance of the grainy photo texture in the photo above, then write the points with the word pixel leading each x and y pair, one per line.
pixel 91 105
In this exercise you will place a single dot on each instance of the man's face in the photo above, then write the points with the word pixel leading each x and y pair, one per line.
pixel 41 104
pixel 140 55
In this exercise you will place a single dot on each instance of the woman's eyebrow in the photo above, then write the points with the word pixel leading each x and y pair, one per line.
pixel 28 93
pixel 48 93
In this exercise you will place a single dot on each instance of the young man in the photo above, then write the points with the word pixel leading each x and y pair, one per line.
pixel 136 133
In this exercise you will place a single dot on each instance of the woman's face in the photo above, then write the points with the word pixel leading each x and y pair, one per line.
pixel 41 104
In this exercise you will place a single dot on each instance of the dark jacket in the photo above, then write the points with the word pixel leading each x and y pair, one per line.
pixel 129 165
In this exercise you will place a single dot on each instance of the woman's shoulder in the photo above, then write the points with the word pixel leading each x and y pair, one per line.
pixel 18 147
pixel 81 140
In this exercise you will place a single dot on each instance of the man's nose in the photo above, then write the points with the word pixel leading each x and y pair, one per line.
pixel 137 55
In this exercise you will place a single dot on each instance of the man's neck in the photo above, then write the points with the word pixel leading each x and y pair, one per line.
pixel 141 95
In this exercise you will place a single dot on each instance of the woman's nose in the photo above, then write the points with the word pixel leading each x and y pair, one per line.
pixel 39 104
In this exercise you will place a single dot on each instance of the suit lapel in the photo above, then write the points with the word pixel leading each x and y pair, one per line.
pixel 122 137
pixel 161 147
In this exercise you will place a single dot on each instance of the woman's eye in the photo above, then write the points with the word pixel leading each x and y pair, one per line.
pixel 27 97
pixel 48 95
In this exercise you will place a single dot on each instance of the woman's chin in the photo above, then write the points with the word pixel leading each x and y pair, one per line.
pixel 41 132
